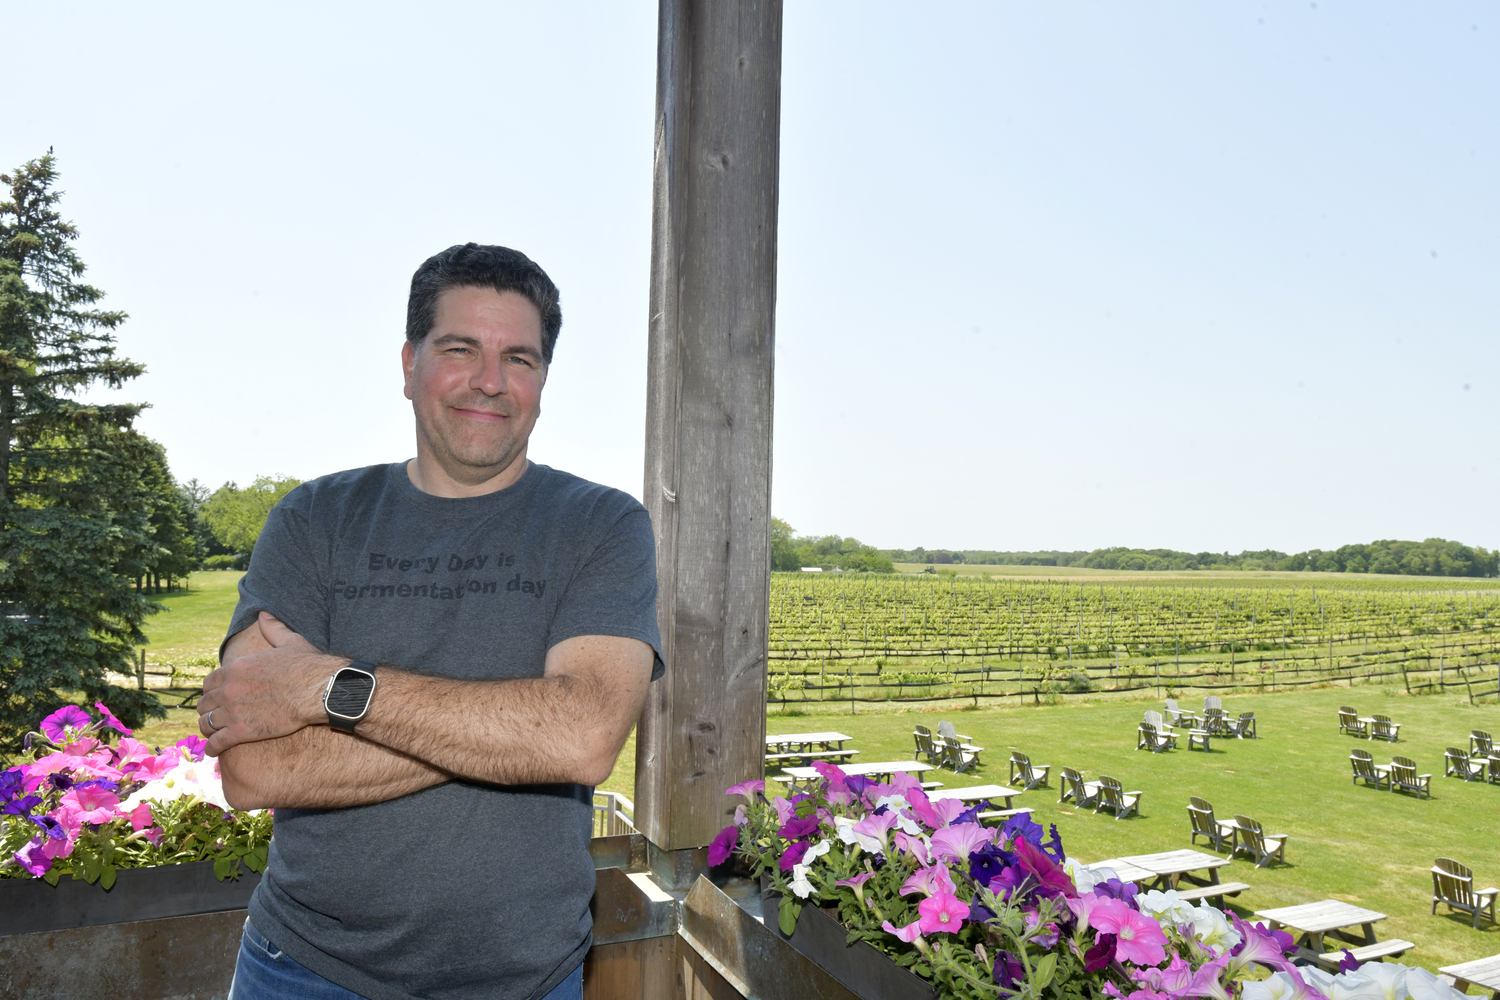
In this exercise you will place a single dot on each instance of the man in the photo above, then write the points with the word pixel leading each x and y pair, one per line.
pixel 430 664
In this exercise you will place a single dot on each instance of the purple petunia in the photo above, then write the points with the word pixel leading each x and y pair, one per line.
pixel 50 826
pixel 792 856
pixel 1101 954
pixel 60 781
pixel 723 845
pixel 1009 971
pixel 193 745
pixel 55 726
pixel 32 858
pixel 21 806
pixel 12 780
pixel 799 826
pixel 111 721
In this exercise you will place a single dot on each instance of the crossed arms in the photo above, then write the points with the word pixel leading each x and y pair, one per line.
pixel 276 750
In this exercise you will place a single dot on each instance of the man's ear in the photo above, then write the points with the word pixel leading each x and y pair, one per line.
pixel 408 365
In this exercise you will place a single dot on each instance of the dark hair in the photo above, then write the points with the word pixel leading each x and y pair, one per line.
pixel 475 266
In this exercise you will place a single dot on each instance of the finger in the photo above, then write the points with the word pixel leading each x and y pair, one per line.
pixel 222 740
pixel 214 679
pixel 275 630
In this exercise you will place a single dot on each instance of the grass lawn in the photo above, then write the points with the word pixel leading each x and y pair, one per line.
pixel 1368 847
pixel 193 621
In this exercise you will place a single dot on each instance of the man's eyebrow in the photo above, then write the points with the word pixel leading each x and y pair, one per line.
pixel 526 349
pixel 456 338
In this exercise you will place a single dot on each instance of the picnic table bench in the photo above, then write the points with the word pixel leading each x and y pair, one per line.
pixel 874 769
pixel 1169 869
pixel 810 755
pixel 788 742
pixel 1482 972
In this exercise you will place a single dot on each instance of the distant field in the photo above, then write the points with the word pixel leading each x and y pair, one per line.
pixel 1222 577
pixel 194 620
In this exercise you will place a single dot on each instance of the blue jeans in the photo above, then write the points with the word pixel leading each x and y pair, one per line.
pixel 264 972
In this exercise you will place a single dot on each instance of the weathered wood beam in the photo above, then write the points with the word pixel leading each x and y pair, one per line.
pixel 708 415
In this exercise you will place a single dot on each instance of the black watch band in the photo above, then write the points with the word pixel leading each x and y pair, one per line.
pixel 347 697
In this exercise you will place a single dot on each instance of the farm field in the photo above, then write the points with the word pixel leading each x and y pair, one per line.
pixel 1372 848
pixel 864 638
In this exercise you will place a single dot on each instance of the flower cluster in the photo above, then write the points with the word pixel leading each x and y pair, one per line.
pixel 84 807
pixel 982 912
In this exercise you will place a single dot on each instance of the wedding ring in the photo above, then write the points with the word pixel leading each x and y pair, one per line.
pixel 212 728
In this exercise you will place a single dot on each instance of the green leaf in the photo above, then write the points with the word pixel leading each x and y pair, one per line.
pixel 107 878
pixel 1042 974
pixel 51 876
pixel 787 918
pixel 221 869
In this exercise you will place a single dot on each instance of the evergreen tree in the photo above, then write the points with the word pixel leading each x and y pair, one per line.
pixel 75 504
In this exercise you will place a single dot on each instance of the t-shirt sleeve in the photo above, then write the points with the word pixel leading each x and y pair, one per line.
pixel 284 576
pixel 614 592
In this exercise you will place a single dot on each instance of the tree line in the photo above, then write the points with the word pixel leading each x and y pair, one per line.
pixel 92 522
pixel 1432 557
pixel 791 552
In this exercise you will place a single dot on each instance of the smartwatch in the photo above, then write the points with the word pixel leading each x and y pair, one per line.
pixel 347 697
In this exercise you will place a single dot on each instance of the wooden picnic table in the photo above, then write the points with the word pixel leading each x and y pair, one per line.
pixel 976 793
pixel 1484 972
pixel 1326 917
pixel 1172 867
pixel 873 769
pixel 792 742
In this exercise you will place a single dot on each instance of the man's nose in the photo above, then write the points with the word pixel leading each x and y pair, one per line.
pixel 490 376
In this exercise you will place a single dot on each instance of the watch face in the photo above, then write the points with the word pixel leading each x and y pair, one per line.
pixel 350 694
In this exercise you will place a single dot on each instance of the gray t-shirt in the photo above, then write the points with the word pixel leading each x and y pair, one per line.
pixel 463 890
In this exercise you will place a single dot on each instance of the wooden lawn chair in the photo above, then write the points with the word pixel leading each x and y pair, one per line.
pixel 1147 738
pixel 1028 774
pixel 946 729
pixel 1244 726
pixel 1452 883
pixel 1162 726
pixel 1366 770
pixel 1112 795
pixel 1458 764
pixel 1349 722
pixel 956 755
pixel 1480 744
pixel 1494 770
pixel 1175 715
pixel 922 736
pixel 1071 785
pixel 1255 842
pixel 1201 816
pixel 1212 701
pixel 1214 722
pixel 1382 728
pixel 1404 777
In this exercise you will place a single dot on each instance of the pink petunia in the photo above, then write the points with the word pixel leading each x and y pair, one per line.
pixel 719 851
pixel 935 814
pixel 1139 939
pixel 877 825
pixel 909 933
pixel 192 747
pixel 929 881
pixel 784 810
pixel 942 912
pixel 56 727
pixel 92 805
pixel 1047 872
pixel 111 721
pixel 749 789
pixel 140 817
pixel 856 881
pixel 915 846
pixel 956 843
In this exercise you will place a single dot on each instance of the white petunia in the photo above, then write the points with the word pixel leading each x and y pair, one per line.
pixel 1353 986
pixel 845 827
pixel 1166 907
pixel 1085 879
pixel 1423 985
pixel 1211 927
pixel 1278 986
pixel 800 886
pixel 1389 977
pixel 190 779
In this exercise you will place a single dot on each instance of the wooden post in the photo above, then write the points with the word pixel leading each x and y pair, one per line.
pixel 709 408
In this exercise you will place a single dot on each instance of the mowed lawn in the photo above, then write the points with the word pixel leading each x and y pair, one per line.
pixel 193 621
pixel 1372 848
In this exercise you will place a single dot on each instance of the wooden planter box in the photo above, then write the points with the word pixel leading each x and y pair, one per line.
pixel 860 967
pixel 30 905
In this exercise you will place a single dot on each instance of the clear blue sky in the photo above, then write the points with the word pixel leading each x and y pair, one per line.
pixel 1200 276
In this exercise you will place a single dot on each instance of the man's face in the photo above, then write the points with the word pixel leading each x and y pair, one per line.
pixel 476 381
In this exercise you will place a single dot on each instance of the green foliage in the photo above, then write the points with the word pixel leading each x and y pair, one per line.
pixel 236 516
pixel 84 499
pixel 790 552
pixel 1433 557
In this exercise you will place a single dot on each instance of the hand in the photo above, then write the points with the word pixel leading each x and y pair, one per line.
pixel 272 693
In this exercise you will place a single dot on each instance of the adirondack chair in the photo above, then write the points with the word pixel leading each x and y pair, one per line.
pixel 1213 701
pixel 956 755
pixel 1366 770
pixel 1201 816
pixel 1349 723
pixel 1244 726
pixel 1147 738
pixel 1154 717
pixel 1480 744
pixel 1493 775
pixel 1255 842
pixel 922 736
pixel 1214 721
pixel 946 729
pixel 1453 883
pixel 1177 716
pixel 1404 777
pixel 1112 795
pixel 1030 775
pixel 1072 786
pixel 1382 728
pixel 1457 763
